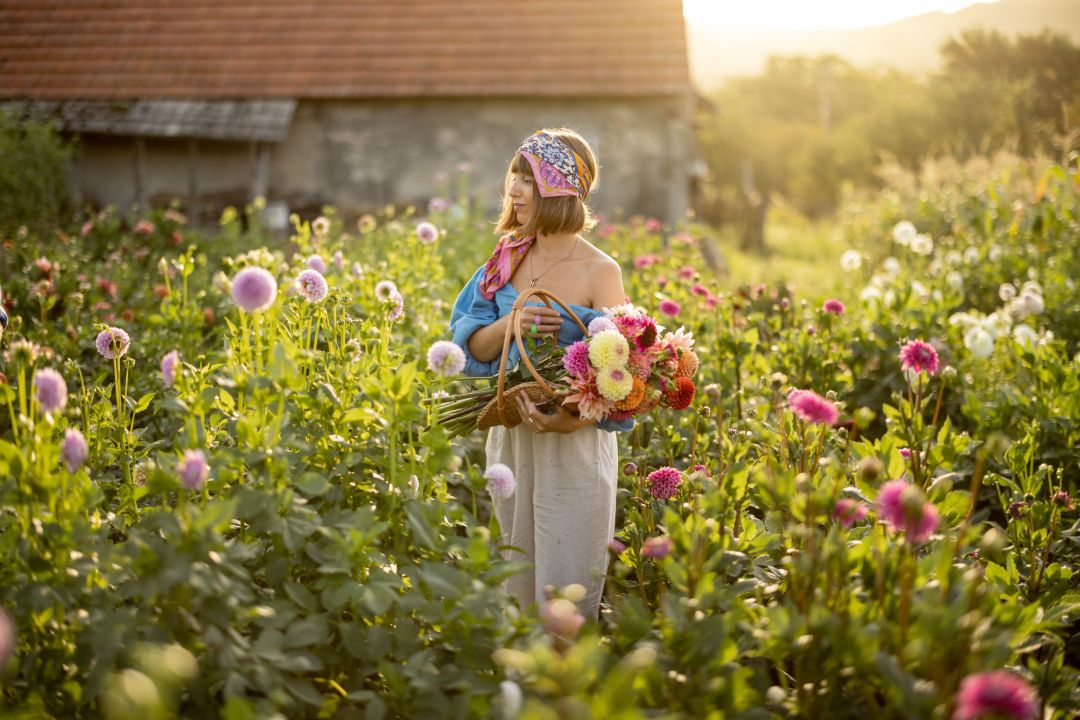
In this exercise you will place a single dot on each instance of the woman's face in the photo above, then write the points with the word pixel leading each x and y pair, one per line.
pixel 520 192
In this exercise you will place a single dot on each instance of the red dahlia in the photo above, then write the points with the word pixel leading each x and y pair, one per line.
pixel 680 394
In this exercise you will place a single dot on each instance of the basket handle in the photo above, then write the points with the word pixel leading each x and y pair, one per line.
pixel 513 326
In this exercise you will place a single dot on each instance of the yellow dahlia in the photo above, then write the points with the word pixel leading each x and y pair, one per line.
pixel 614 383
pixel 608 349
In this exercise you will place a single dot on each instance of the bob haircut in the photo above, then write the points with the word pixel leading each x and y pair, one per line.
pixel 552 215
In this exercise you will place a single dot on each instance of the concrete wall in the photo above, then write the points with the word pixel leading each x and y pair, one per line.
pixel 359 155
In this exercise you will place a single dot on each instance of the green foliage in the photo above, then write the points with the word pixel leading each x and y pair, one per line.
pixel 33 182
pixel 342 561
pixel 808 126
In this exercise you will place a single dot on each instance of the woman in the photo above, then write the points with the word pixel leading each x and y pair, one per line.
pixel 562 514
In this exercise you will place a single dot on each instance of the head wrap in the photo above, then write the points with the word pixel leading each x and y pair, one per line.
pixel 557 168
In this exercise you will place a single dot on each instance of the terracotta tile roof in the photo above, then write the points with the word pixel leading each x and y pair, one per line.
pixel 104 49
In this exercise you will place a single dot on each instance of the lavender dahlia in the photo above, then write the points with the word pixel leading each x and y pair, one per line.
pixel 312 285
pixel 50 390
pixel 599 324
pixel 315 262
pixel 193 469
pixel 112 343
pixel 996 694
pixel 74 450
pixel 397 307
pixel 427 233
pixel 664 482
pixel 254 289
pixel 384 290
pixel 501 483
pixel 168 367
pixel 446 358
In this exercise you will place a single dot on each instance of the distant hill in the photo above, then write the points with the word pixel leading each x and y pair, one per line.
pixel 718 53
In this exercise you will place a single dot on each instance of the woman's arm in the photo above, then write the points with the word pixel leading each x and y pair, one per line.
pixel 485 344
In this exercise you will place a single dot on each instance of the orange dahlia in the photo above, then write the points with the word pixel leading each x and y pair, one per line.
pixel 680 394
pixel 688 364
pixel 634 398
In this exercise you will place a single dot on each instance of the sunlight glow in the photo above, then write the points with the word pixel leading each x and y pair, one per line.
pixel 818 15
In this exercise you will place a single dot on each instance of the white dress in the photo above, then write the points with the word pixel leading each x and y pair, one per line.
pixel 562 513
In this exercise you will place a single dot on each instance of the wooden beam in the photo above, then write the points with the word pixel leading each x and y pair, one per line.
pixel 193 182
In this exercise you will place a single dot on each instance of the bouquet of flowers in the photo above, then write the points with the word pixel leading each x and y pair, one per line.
pixel 626 365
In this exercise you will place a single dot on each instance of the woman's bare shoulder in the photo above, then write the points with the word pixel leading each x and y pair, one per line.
pixel 599 261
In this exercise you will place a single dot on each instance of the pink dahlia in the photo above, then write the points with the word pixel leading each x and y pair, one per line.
pixel 112 343
pixel 50 390
pixel 168 367
pixel 664 482
pixel 670 308
pixel 561 617
pixel 143 227
pixel 919 356
pixel 657 547
pixel 848 511
pixel 812 408
pixel 833 306
pixel 193 469
pixel 576 359
pixel 254 289
pixel 644 261
pixel 446 358
pixel 686 272
pixel 616 546
pixel 312 285
pixel 316 263
pixel 591 404
pixel 73 449
pixel 903 507
pixel 7 639
pixel 996 694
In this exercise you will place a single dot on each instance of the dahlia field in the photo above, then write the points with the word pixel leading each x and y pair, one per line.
pixel 222 493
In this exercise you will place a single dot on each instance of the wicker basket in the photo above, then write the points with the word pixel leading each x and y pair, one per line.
pixel 503 409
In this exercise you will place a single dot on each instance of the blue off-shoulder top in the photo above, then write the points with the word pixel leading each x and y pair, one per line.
pixel 473 311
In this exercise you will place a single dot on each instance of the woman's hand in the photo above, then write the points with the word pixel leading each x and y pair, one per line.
pixel 547 320
pixel 561 421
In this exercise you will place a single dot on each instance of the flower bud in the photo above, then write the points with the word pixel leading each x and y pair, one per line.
pixel 870 468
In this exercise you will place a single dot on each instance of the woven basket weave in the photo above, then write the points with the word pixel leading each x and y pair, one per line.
pixel 503 409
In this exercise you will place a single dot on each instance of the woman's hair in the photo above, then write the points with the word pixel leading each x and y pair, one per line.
pixel 551 215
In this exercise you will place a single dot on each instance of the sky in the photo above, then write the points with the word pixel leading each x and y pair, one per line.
pixel 812 14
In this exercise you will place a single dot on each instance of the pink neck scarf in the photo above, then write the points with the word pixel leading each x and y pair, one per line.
pixel 500 267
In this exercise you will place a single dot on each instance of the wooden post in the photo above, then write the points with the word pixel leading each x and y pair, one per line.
pixel 260 170
pixel 193 182
pixel 140 172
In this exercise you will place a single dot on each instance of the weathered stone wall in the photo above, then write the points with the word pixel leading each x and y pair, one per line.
pixel 359 155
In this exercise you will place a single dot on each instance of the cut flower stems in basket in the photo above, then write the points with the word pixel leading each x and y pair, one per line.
pixel 625 365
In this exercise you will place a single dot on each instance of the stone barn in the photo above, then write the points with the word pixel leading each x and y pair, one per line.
pixel 354 104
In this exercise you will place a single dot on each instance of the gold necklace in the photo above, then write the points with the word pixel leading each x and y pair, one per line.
pixel 532 283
